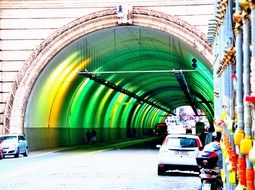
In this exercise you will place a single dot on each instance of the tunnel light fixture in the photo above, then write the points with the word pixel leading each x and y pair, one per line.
pixel 128 103
pixel 142 71
pixel 92 76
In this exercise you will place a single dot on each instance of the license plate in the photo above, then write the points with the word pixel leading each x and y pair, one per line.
pixel 182 153
pixel 206 186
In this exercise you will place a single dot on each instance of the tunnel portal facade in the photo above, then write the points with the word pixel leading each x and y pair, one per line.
pixel 19 106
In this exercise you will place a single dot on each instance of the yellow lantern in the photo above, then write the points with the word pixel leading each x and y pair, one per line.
pixel 238 136
pixel 246 145
pixel 232 177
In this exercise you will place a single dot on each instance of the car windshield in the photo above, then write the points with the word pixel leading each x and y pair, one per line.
pixel 181 142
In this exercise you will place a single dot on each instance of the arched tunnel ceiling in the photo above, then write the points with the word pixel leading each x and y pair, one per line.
pixel 145 63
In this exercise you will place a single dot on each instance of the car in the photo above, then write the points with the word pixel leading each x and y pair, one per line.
pixel 14 144
pixel 179 152
pixel 1 153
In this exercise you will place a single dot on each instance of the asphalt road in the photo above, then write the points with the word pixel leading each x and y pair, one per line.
pixel 92 168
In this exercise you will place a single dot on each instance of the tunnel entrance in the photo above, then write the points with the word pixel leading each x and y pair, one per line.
pixel 118 79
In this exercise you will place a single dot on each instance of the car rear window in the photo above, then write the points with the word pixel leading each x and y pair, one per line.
pixel 181 142
pixel 8 138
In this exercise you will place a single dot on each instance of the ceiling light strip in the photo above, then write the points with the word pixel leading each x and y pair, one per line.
pixel 144 71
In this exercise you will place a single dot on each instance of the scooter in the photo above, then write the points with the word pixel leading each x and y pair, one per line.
pixel 210 179
pixel 208 161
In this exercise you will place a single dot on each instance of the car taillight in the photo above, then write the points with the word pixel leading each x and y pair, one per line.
pixel 198 142
pixel 165 141
pixel 161 165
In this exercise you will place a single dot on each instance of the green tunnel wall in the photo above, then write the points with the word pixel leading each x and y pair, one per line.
pixel 63 105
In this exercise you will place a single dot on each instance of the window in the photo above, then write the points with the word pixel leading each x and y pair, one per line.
pixel 181 142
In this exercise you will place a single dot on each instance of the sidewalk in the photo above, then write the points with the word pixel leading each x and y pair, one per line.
pixel 100 145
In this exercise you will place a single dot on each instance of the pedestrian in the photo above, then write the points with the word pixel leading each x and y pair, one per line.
pixel 134 133
pixel 203 135
pixel 188 130
pixel 88 135
pixel 208 137
pixel 93 136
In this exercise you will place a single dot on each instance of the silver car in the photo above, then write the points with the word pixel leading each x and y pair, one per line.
pixel 178 152
pixel 14 144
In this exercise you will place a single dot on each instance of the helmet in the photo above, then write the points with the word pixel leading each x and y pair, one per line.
pixel 216 136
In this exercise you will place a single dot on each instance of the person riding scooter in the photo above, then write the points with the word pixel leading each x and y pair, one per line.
pixel 210 162
pixel 211 155
pixel 215 144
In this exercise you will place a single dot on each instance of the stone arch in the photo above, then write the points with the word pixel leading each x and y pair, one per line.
pixel 23 84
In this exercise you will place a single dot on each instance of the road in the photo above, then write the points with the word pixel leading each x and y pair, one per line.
pixel 93 168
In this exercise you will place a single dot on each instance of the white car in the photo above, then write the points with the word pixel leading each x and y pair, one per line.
pixel 14 144
pixel 179 152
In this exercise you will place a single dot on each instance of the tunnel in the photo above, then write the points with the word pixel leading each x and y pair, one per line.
pixel 116 79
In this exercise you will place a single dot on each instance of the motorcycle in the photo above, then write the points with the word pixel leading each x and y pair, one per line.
pixel 210 179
